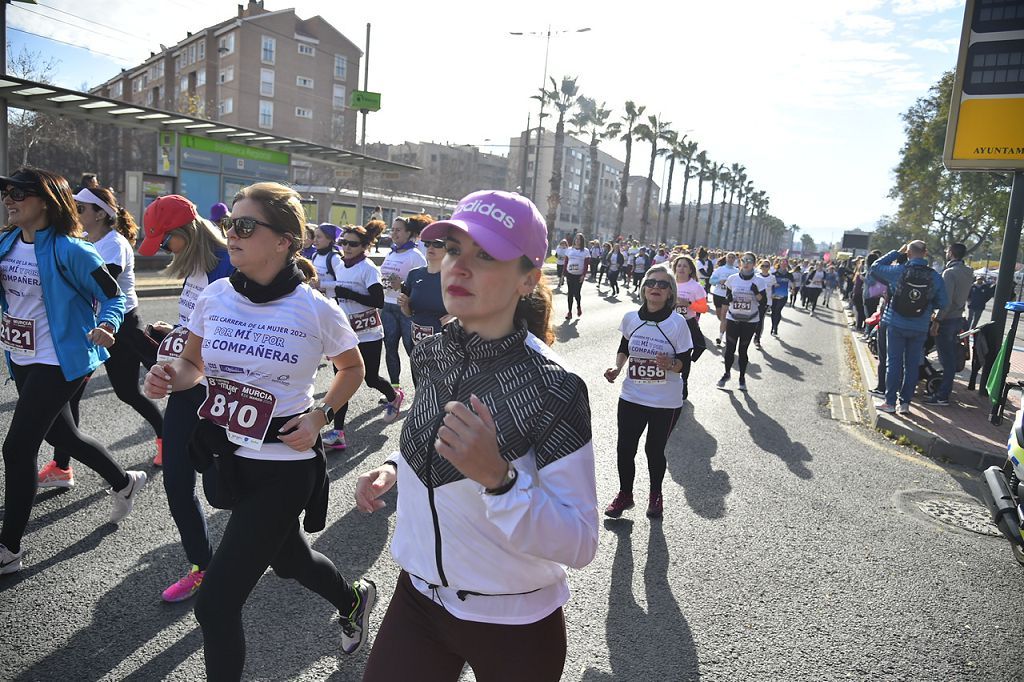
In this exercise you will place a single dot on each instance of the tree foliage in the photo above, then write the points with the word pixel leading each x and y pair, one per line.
pixel 945 206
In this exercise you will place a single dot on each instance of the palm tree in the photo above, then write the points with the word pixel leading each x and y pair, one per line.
pixel 562 97
pixel 655 130
pixel 739 176
pixel 670 152
pixel 744 225
pixel 727 181
pixel 701 172
pixel 623 129
pixel 796 230
pixel 591 119
pixel 687 150
pixel 715 176
pixel 760 207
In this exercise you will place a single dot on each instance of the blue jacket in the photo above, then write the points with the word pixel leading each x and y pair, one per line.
pixel 72 276
pixel 891 274
pixel 980 295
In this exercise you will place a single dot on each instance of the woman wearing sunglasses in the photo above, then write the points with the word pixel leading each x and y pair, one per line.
pixel 421 298
pixel 404 257
pixel 360 294
pixel 258 337
pixel 112 231
pixel 199 255
pixel 655 349
pixel 495 470
pixel 53 340
pixel 744 292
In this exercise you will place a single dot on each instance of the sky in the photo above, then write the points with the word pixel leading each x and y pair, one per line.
pixel 806 94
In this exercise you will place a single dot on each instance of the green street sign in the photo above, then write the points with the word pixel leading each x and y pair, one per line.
pixel 364 100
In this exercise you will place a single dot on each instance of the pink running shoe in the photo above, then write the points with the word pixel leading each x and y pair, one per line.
pixel 52 476
pixel 186 587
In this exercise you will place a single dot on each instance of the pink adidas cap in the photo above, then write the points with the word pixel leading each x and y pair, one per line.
pixel 506 225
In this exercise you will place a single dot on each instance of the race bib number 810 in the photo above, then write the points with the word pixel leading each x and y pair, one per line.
pixel 244 411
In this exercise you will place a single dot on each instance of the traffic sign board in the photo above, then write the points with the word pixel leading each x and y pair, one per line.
pixel 986 114
pixel 364 100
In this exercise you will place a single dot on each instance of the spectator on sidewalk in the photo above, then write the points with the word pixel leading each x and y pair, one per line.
pixel 949 321
pixel 916 291
pixel 978 297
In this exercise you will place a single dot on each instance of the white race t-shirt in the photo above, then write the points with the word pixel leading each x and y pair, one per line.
pixel 576 261
pixel 365 320
pixel 115 250
pixel 816 280
pixel 275 347
pixel 660 258
pixel 692 291
pixel 644 383
pixel 195 285
pixel 744 306
pixel 399 263
pixel 560 252
pixel 719 277
pixel 323 273
pixel 29 329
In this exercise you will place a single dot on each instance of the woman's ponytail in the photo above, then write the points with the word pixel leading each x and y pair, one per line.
pixel 535 310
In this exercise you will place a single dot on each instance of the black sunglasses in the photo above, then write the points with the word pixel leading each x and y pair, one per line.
pixel 165 245
pixel 244 227
pixel 17 193
pixel 436 243
pixel 657 284
pixel 345 242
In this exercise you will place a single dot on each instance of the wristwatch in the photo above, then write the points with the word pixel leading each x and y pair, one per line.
pixel 506 483
pixel 328 412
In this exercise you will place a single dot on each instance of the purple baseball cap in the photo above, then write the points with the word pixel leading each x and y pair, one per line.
pixel 506 225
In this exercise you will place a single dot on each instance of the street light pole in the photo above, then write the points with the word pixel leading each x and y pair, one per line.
pixel 362 142
pixel 543 100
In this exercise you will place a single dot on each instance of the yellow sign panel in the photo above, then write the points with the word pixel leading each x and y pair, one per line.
pixel 986 113
pixel 343 215
pixel 990 129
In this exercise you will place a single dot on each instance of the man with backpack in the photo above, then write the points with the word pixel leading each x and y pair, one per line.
pixel 917 290
pixel 949 322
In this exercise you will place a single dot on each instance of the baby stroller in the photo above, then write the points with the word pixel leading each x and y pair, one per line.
pixel 871 332
pixel 931 374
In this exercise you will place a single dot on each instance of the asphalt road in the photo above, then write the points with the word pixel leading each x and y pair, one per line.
pixel 783 554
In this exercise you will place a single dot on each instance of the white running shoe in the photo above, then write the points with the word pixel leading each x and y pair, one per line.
pixel 122 501
pixel 9 561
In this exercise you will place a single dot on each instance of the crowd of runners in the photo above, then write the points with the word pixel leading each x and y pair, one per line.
pixel 495 461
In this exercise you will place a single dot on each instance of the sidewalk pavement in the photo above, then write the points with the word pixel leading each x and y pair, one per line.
pixel 960 432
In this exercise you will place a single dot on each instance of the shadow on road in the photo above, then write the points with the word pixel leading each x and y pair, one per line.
pixel 689 454
pixel 777 364
pixel 800 352
pixel 124 619
pixel 651 644
pixel 771 436
pixel 567 331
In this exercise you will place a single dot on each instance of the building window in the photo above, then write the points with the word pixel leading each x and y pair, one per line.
pixel 303 82
pixel 184 83
pixel 192 53
pixel 226 44
pixel 339 96
pixel 201 77
pixel 149 98
pixel 266 114
pixel 338 126
pixel 267 82
pixel 227 75
pixel 307 50
pixel 227 106
pixel 117 89
pixel 340 66
pixel 302 112
pixel 269 47
pixel 201 50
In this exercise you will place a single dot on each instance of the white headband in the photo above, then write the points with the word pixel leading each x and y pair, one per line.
pixel 85 196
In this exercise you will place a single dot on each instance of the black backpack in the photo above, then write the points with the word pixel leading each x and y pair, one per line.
pixel 914 291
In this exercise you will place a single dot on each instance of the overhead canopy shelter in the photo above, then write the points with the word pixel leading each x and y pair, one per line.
pixel 50 99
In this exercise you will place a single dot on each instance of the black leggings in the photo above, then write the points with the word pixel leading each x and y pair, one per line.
pixel 263 531
pixel 738 334
pixel 812 297
pixel 777 305
pixel 419 640
pixel 131 350
pixel 633 419
pixel 42 412
pixel 793 295
pixel 370 350
pixel 575 290
pixel 613 281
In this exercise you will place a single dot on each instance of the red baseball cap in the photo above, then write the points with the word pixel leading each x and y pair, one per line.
pixel 163 215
